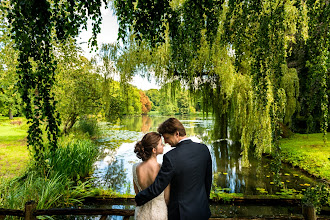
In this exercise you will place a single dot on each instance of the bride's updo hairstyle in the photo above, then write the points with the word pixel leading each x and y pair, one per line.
pixel 143 148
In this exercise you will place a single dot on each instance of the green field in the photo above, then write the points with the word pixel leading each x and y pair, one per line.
pixel 14 154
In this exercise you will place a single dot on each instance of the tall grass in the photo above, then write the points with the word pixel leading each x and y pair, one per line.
pixel 74 160
pixel 60 186
pixel 48 192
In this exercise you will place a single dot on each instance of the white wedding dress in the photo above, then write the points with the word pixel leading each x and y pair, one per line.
pixel 155 209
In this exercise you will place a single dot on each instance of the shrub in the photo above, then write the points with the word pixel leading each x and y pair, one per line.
pixel 89 126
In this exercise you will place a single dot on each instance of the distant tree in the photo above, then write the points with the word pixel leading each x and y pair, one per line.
pixel 9 97
pixel 77 88
pixel 183 103
pixel 105 63
pixel 131 100
pixel 155 97
pixel 146 103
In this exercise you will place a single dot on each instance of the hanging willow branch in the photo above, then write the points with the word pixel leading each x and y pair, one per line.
pixel 233 53
pixel 35 24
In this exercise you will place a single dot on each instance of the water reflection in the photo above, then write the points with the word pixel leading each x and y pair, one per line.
pixel 146 124
pixel 115 176
pixel 228 165
pixel 114 168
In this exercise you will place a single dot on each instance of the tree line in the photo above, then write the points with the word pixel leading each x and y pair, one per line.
pixel 87 87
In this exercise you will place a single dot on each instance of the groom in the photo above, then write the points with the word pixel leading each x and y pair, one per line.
pixel 188 168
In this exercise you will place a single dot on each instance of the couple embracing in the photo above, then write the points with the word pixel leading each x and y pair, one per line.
pixel 180 187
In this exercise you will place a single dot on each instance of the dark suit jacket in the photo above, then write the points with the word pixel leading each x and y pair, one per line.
pixel 188 168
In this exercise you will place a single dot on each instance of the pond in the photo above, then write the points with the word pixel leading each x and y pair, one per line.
pixel 114 166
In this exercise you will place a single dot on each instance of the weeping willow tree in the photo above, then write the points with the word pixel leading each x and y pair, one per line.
pixel 317 68
pixel 232 53
pixel 35 26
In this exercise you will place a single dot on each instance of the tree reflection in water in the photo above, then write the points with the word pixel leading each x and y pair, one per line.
pixel 115 176
pixel 228 163
pixel 146 124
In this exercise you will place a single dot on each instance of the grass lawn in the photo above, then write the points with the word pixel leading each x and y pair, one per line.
pixel 308 152
pixel 14 154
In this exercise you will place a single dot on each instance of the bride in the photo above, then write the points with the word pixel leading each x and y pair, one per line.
pixel 144 175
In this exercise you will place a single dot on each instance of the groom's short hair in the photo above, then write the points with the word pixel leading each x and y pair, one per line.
pixel 170 126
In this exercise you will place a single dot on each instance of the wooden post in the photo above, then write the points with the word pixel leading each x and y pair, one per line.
pixel 309 212
pixel 126 217
pixel 2 217
pixel 103 217
pixel 30 207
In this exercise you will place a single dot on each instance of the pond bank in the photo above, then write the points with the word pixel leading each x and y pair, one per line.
pixel 309 153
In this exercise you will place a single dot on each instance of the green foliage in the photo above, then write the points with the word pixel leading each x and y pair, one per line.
pixel 112 101
pixel 310 56
pixel 50 192
pixel 131 97
pixel 9 98
pixel 234 55
pixel 77 89
pixel 317 196
pixel 166 103
pixel 290 84
pixel 155 97
pixel 317 63
pixel 89 126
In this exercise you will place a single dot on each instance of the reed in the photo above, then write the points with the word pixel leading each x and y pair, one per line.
pixel 74 160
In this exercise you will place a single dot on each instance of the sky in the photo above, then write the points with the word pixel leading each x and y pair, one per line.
pixel 109 34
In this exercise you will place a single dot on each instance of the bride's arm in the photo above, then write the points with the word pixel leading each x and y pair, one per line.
pixel 167 194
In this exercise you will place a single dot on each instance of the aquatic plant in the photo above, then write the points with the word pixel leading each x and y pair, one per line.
pixel 218 193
